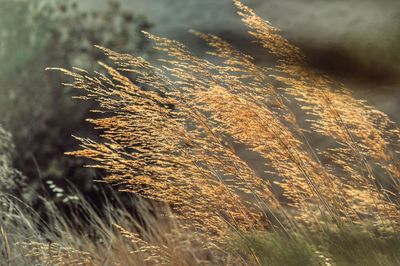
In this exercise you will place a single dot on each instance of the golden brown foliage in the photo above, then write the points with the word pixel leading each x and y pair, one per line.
pixel 171 135
pixel 54 254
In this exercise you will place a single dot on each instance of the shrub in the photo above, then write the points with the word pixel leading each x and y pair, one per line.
pixel 11 180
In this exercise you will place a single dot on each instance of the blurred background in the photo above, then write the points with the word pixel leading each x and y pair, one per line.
pixel 355 41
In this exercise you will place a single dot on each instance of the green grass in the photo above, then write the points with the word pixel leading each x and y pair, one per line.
pixel 347 246
pixel 273 249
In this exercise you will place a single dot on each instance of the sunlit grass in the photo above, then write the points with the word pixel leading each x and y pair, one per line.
pixel 171 136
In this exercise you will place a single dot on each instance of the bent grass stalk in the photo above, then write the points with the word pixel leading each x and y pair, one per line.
pixel 171 134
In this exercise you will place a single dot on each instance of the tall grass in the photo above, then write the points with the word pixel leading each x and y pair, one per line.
pixel 86 237
pixel 347 246
pixel 173 135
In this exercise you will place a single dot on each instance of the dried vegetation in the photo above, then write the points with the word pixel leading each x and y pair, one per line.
pixel 172 136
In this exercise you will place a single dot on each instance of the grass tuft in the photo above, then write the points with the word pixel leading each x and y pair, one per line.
pixel 178 135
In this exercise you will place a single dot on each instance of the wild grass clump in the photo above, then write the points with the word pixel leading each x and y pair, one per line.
pixel 262 248
pixel 88 238
pixel 360 246
pixel 353 245
pixel 172 136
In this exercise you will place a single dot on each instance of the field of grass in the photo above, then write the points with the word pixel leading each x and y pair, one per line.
pixel 173 136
